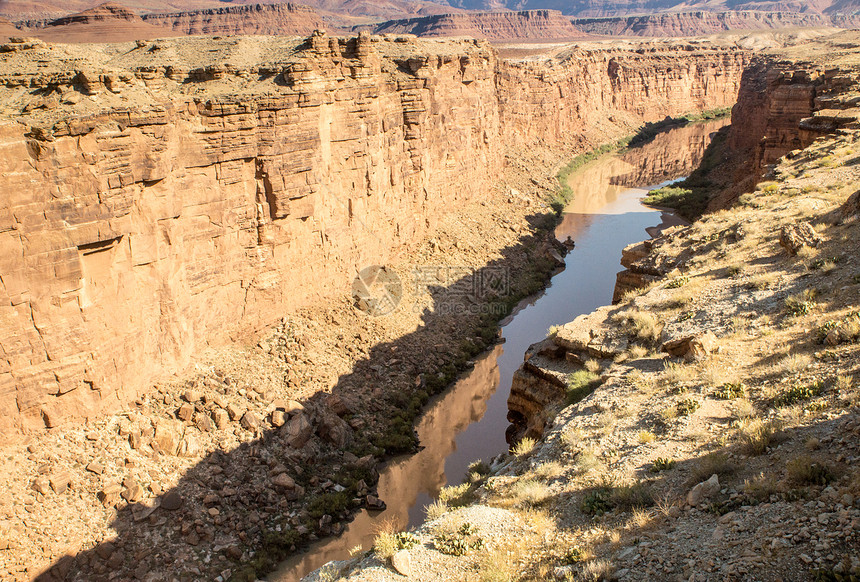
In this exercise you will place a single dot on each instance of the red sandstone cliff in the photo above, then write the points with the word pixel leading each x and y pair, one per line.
pixel 154 208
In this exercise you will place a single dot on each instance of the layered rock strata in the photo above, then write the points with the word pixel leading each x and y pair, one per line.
pixel 702 22
pixel 288 19
pixel 156 207
pixel 527 24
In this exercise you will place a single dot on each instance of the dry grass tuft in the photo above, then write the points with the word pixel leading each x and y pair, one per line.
pixel 436 510
pixel 524 447
pixel 757 435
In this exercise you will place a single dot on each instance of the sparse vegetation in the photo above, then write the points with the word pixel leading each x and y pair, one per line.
pixel 798 393
pixel 579 385
pixel 730 391
pixel 662 464
pixel 687 406
pixel 757 435
pixel 460 542
pixel 806 471
pixel 714 463
pixel 524 446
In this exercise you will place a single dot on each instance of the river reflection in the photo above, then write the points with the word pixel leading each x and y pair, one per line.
pixel 468 422
pixel 411 482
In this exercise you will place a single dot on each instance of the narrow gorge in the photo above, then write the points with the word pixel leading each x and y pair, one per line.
pixel 233 272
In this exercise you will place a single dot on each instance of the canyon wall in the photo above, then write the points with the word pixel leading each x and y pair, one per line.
pixel 701 22
pixel 528 24
pixel 781 107
pixel 192 206
pixel 289 19
pixel 589 88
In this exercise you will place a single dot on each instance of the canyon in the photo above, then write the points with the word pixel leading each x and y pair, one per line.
pixel 113 22
pixel 709 399
pixel 322 167
pixel 160 211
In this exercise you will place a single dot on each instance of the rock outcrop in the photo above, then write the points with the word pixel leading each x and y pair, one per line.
pixel 155 208
pixel 782 108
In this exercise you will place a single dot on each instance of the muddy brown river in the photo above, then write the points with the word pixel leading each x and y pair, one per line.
pixel 468 421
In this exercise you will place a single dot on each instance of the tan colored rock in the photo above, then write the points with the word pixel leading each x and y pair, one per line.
pixel 402 563
pixel 594 334
pixel 168 434
pixel 692 348
pixel 221 417
pixel 95 200
pixel 704 491
pixel 278 418
pixel 794 237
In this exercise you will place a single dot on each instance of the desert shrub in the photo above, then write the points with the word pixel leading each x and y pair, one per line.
pixel 730 391
pixel 757 435
pixel 798 393
pixel 631 495
pixel 715 463
pixel 579 385
pixel 677 282
pixel 662 464
pixel 596 502
pixel 687 406
pixel 457 495
pixel 524 447
pixel 460 542
pixel 805 471
pixel 802 304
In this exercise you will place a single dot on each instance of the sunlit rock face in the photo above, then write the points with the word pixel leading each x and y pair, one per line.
pixel 153 208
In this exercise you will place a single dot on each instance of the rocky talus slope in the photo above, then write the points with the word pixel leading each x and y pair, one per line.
pixel 170 198
pixel 707 426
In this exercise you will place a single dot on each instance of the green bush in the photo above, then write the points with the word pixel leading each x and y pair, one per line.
pixel 798 393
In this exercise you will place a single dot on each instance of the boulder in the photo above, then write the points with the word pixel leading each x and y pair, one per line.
pixel 703 491
pixel 172 501
pixel 221 417
pixel 402 563
pixel 335 430
pixel 794 237
pixel 692 348
pixel 297 432
pixel 60 482
pixel 278 418
pixel 284 481
pixel 250 421
pixel 168 434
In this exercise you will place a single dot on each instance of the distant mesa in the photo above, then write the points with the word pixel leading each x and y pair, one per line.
pixel 497 26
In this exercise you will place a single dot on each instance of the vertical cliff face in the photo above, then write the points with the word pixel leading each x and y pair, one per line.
pixel 193 205
pixel 588 90
pixel 781 107
pixel 130 238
